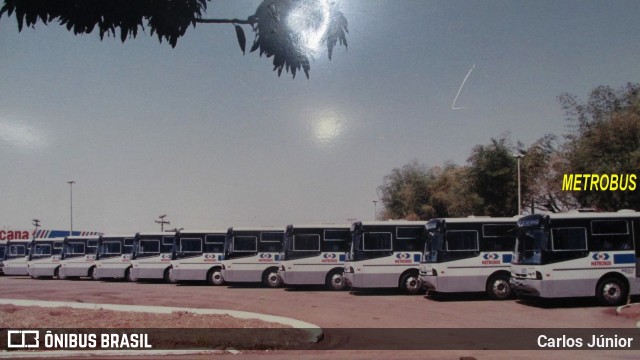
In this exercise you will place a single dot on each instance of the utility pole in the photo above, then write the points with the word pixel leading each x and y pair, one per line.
pixel 35 223
pixel 162 222
pixel 71 182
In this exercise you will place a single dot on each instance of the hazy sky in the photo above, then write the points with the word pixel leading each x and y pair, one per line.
pixel 215 139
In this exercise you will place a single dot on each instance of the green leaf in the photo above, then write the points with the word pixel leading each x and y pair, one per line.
pixel 242 40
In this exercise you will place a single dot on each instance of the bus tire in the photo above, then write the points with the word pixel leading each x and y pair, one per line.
pixel 128 275
pixel 612 291
pixel 410 283
pixel 335 280
pixel 270 278
pixel 498 287
pixel 57 275
pixel 167 276
pixel 93 274
pixel 214 277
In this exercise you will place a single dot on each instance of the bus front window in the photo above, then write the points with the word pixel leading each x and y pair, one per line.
pixel 530 244
pixel 432 246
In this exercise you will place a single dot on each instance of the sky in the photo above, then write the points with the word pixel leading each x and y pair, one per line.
pixel 214 139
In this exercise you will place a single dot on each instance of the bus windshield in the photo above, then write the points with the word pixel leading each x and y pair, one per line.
pixel 432 246
pixel 530 244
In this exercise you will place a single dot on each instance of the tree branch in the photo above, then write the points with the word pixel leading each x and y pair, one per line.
pixel 249 21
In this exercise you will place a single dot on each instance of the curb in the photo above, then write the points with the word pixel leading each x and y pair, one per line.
pixel 314 331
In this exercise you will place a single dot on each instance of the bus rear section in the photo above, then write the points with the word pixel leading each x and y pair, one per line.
pixel 78 257
pixel 44 257
pixel 251 255
pixel 385 254
pixel 469 255
pixel 113 260
pixel 199 256
pixel 578 255
pixel 3 247
pixel 152 256
pixel 16 257
pixel 314 255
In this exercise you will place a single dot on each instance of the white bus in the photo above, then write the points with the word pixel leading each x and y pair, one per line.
pixel 113 259
pixel 578 255
pixel 385 254
pixel 152 255
pixel 44 257
pixel 314 255
pixel 252 255
pixel 78 257
pixel 199 256
pixel 469 255
pixel 3 247
pixel 15 257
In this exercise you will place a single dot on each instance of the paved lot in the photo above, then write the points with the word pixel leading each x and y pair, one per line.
pixel 334 311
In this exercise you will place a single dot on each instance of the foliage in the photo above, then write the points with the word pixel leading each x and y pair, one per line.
pixel 492 172
pixel 282 27
pixel 405 193
pixel 605 140
pixel 542 169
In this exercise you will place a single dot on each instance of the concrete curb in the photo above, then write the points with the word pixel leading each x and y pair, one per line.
pixel 620 308
pixel 315 332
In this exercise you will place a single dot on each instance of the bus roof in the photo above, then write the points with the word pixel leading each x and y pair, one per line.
pixel 482 219
pixel 594 215
pixel 114 236
pixel 210 231
pixel 258 228
pixel 157 233
pixel 394 222
pixel 320 226
pixel 92 237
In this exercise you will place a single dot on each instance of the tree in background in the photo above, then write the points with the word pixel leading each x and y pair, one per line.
pixel 605 140
pixel 543 167
pixel 451 192
pixel 283 28
pixel 406 193
pixel 493 177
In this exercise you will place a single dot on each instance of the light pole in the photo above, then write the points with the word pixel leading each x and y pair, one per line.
pixel 519 156
pixel 71 182
pixel 375 209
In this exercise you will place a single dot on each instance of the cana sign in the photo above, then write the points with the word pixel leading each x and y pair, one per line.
pixel 14 235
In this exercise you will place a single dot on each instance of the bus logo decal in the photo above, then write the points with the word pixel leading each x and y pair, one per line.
pixel 601 259
pixel 403 258
pixel 491 259
pixel 329 258
pixel 265 258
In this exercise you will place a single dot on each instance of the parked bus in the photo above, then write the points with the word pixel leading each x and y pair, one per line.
pixel 44 257
pixel 252 254
pixel 3 247
pixel 385 254
pixel 314 255
pixel 578 255
pixel 199 256
pixel 152 255
pixel 468 255
pixel 113 258
pixel 16 257
pixel 78 257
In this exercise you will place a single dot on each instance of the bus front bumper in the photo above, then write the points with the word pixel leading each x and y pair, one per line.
pixel 526 287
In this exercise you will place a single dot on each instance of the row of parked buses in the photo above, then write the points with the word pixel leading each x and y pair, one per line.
pixel 557 255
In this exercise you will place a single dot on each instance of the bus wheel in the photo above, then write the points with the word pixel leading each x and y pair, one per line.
pixel 270 278
pixel 498 287
pixel 410 283
pixel 335 281
pixel 129 276
pixel 612 291
pixel 214 277
pixel 57 274
pixel 93 274
pixel 167 276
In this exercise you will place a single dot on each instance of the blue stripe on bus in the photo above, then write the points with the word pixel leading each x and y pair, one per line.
pixel 416 257
pixel 624 259
pixel 506 258
pixel 342 258
pixel 277 258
